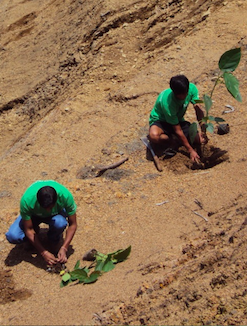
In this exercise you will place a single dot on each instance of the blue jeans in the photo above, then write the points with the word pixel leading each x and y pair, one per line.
pixel 56 223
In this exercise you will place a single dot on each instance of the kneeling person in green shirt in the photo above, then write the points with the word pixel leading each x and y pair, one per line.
pixel 167 115
pixel 45 202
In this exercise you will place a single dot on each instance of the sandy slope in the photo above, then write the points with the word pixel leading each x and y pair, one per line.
pixel 78 80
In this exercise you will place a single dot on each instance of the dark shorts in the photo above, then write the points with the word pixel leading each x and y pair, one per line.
pixel 168 128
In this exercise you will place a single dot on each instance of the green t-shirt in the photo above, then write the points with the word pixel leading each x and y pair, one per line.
pixel 29 205
pixel 169 109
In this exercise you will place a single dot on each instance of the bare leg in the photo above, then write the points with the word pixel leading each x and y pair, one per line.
pixel 157 136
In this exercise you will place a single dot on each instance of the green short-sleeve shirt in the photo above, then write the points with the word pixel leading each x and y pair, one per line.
pixel 169 109
pixel 29 205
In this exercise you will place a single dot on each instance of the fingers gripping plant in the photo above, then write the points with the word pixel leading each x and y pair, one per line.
pixel 227 64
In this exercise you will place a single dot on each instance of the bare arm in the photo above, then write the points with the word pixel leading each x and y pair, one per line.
pixel 62 257
pixel 179 132
pixel 34 239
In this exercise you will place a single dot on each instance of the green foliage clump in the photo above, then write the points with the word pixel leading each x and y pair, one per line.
pixel 102 264
pixel 227 64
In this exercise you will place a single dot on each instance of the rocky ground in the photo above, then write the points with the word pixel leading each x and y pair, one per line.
pixel 78 81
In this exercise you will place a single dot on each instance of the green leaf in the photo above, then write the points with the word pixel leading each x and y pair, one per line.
pixel 210 127
pixel 63 284
pixel 217 119
pixel 208 102
pixel 205 119
pixel 99 265
pixel 230 60
pixel 192 132
pixel 211 118
pixel 232 86
pixel 108 265
pixel 87 270
pixel 66 277
pixel 122 255
pixel 77 264
pixel 78 274
pixel 92 277
pixel 99 256
pixel 115 252
pixel 198 101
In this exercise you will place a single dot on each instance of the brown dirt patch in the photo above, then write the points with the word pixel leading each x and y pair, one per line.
pixel 204 285
pixel 8 293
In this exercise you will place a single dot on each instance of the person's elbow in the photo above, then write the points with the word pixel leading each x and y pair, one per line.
pixel 73 225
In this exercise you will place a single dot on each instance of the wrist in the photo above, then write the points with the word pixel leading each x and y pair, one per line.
pixel 43 253
pixel 64 248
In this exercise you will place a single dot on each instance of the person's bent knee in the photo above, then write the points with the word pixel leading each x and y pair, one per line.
pixel 13 239
pixel 59 222
pixel 154 136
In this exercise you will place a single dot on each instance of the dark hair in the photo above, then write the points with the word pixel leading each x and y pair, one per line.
pixel 47 196
pixel 179 84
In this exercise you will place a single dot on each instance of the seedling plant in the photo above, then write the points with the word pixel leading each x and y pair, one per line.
pixel 227 64
pixel 102 263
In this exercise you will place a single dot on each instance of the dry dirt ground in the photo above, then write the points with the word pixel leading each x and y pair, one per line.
pixel 78 80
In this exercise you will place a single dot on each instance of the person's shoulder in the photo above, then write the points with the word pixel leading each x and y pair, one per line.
pixel 166 91
pixel 192 87
pixel 164 94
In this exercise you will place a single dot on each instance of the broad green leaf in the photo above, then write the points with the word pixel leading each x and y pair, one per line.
pixel 217 119
pixel 108 266
pixel 78 274
pixel 77 265
pixel 87 270
pixel 210 127
pixel 198 101
pixel 232 84
pixel 63 284
pixel 115 252
pixel 66 277
pixel 92 277
pixel 230 60
pixel 99 265
pixel 208 102
pixel 192 132
pixel 122 255
pixel 211 118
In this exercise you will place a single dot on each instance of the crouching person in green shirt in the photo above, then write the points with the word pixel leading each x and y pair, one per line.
pixel 51 203
pixel 167 115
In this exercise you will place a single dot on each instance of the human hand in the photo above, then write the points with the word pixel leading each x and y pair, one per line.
pixel 49 258
pixel 194 156
pixel 61 256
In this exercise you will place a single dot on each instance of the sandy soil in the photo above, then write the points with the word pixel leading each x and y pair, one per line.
pixel 78 81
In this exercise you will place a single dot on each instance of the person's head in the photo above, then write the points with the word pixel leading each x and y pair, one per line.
pixel 47 197
pixel 180 86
